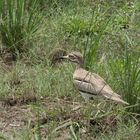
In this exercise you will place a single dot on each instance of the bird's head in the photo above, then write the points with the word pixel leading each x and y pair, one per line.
pixel 75 57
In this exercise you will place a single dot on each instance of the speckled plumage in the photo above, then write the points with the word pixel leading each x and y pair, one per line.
pixel 90 84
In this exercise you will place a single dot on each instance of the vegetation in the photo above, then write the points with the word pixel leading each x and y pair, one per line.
pixel 19 23
pixel 37 99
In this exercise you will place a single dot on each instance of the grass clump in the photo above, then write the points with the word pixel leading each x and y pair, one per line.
pixel 127 74
pixel 19 23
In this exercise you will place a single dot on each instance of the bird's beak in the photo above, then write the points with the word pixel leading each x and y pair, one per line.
pixel 64 57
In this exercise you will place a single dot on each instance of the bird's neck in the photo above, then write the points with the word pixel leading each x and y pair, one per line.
pixel 78 66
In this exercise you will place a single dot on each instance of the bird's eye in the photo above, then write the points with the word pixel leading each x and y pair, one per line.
pixel 71 56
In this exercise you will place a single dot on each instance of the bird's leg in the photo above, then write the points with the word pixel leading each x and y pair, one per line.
pixel 85 96
pixel 86 99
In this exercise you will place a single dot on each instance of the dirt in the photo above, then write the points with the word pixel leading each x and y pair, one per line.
pixel 15 115
pixel 14 118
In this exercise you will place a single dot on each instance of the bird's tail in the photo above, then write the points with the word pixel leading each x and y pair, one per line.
pixel 115 98
pixel 119 100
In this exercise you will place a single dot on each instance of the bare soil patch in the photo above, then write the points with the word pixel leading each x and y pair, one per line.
pixel 14 118
pixel 15 115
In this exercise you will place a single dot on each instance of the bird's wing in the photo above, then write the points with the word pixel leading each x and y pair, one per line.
pixel 102 83
pixel 106 90
pixel 82 82
pixel 85 87
pixel 93 83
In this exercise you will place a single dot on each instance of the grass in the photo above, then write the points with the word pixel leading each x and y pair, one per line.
pixel 18 25
pixel 107 33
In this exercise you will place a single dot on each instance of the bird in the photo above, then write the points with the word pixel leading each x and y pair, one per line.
pixel 89 84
